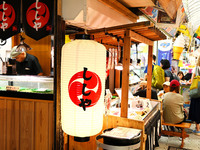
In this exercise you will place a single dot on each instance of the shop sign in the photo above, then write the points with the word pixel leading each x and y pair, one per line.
pixel 9 18
pixel 38 18
pixel 86 96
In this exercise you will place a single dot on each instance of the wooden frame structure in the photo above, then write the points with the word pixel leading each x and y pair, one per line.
pixel 143 32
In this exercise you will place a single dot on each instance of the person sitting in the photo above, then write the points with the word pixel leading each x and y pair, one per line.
pixel 173 104
pixel 180 75
pixel 142 91
pixel 166 88
pixel 188 76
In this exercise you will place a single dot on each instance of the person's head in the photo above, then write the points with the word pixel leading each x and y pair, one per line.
pixel 18 55
pixel 180 75
pixel 154 58
pixel 174 86
pixel 138 61
pixel 165 64
pixel 166 86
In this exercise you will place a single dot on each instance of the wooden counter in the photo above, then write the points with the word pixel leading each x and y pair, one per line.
pixel 112 122
pixel 26 124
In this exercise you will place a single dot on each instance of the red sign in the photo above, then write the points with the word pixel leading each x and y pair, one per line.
pixel 37 15
pixel 85 88
pixel 9 18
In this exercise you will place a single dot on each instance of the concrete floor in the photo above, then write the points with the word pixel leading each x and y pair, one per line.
pixel 192 142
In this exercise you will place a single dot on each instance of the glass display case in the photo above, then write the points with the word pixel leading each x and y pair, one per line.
pixel 18 86
pixel 139 108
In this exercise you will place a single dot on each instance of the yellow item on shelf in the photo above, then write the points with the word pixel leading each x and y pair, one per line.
pixel 180 64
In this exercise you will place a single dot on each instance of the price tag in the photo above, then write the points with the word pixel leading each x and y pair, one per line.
pixel 12 88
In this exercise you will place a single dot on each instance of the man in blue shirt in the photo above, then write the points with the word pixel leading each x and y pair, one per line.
pixel 154 63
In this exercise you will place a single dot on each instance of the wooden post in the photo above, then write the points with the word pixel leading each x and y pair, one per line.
pixel 117 78
pixel 149 72
pixel 59 42
pixel 125 74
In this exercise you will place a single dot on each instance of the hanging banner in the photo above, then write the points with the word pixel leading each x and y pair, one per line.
pixel 38 18
pixel 164 50
pixel 9 18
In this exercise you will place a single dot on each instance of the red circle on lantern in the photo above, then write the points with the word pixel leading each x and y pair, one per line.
pixel 92 88
pixel 38 16
pixel 7 14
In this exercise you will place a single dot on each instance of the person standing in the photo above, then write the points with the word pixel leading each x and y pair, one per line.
pixel 165 64
pixel 146 69
pixel 194 111
pixel 26 64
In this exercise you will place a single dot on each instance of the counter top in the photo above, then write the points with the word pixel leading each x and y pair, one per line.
pixel 16 94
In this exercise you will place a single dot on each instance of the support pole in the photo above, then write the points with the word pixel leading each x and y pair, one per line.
pixel 149 72
pixel 125 74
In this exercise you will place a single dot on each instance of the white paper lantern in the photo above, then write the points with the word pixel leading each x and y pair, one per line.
pixel 192 10
pixel 83 72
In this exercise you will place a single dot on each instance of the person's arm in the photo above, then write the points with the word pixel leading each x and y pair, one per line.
pixel 192 78
pixel 145 77
pixel 167 75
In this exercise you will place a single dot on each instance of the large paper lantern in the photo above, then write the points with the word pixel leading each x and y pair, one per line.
pixel 192 10
pixel 83 72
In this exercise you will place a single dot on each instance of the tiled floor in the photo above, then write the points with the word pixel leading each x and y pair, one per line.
pixel 192 142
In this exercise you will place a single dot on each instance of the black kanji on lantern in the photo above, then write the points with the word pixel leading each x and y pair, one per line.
pixel 9 18
pixel 38 16
pixel 85 102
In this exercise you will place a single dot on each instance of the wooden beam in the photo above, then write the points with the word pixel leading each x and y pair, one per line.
pixel 131 26
pixel 140 38
pixel 117 6
pixel 149 72
pixel 125 74
pixel 158 32
pixel 138 3
pixel 170 7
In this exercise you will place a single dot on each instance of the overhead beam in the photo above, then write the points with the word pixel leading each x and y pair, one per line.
pixel 137 3
pixel 130 26
pixel 117 6
pixel 140 38
pixel 170 7
pixel 158 32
